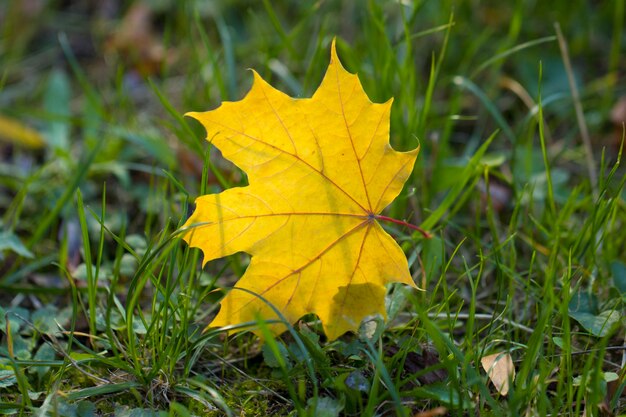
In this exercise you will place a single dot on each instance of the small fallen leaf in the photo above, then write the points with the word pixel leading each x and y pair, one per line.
pixel 500 370
pixel 618 112
pixel 16 132
pixel 496 197
pixel 433 412
pixel 416 363
pixel 320 172
pixel 135 41
pixel 618 117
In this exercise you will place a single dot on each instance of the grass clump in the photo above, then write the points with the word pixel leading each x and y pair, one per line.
pixel 102 308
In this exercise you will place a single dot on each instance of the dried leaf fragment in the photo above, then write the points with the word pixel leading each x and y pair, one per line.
pixel 18 133
pixel 500 370
pixel 136 42
pixel 433 412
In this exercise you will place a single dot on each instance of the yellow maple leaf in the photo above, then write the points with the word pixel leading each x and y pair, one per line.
pixel 320 172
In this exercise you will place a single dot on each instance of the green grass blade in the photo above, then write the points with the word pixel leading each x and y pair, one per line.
pixel 468 173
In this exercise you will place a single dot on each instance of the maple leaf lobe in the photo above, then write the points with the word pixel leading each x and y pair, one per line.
pixel 319 171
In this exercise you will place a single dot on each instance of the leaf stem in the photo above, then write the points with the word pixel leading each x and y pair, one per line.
pixel 424 233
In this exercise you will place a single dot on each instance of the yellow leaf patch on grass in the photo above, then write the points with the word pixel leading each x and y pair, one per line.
pixel 320 171
pixel 16 132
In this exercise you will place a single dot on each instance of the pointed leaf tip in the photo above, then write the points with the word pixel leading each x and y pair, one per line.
pixel 334 56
